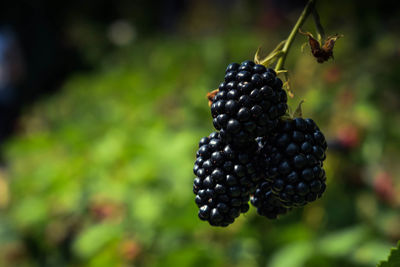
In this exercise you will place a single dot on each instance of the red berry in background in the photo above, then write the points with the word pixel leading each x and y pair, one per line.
pixel 130 250
pixel 384 187
pixel 332 74
pixel 103 210
pixel 348 136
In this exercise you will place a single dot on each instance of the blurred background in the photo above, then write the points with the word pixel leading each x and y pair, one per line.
pixel 102 106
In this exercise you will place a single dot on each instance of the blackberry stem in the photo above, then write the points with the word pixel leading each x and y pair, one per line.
pixel 307 9
pixel 318 26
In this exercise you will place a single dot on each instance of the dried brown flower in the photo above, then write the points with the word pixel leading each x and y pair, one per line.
pixel 325 52
pixel 211 95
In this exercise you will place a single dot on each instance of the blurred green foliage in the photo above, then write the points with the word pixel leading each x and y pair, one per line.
pixel 393 259
pixel 100 174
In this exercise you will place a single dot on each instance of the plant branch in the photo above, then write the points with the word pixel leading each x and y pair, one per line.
pixel 292 35
pixel 318 26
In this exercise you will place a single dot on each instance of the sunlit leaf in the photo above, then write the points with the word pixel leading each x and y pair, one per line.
pixel 393 259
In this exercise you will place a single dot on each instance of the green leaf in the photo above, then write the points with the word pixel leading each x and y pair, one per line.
pixel 299 253
pixel 393 259
pixel 342 243
pixel 298 113
pixel 371 252
pixel 96 237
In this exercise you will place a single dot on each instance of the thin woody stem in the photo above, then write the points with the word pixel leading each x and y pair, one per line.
pixel 318 26
pixel 292 35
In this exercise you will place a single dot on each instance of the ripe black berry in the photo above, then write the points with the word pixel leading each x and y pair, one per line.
pixel 249 102
pixel 266 202
pixel 294 158
pixel 226 175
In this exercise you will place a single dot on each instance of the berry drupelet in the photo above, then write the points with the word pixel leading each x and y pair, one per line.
pixel 295 155
pixel 225 177
pixel 249 102
pixel 266 202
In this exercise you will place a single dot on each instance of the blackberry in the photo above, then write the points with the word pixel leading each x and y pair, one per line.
pixel 295 155
pixel 225 177
pixel 266 202
pixel 249 102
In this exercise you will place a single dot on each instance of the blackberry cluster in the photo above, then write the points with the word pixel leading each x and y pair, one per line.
pixel 225 177
pixel 295 155
pixel 255 153
pixel 249 102
pixel 266 202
